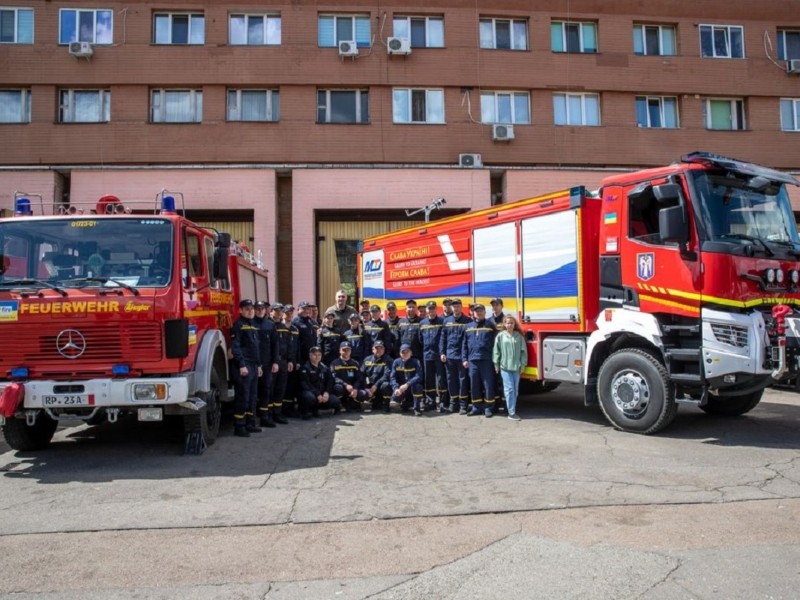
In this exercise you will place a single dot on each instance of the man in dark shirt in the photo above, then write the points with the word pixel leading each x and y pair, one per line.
pixel 316 386
pixel 245 348
pixel 376 370
pixel 348 381
pixel 407 381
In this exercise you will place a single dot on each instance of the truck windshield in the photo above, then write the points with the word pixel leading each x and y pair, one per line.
pixel 731 207
pixel 85 252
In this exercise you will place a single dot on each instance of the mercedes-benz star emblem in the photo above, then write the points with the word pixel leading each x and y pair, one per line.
pixel 70 343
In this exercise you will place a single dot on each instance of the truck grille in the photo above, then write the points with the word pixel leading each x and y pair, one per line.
pixel 105 343
pixel 733 335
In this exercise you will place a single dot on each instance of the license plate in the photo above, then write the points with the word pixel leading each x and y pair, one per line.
pixel 68 399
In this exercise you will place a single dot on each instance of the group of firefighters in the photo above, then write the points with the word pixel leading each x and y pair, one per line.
pixel 294 365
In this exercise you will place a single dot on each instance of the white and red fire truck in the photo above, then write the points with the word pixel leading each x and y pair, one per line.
pixel 110 309
pixel 668 285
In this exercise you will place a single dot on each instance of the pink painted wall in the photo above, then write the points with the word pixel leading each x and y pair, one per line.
pixel 370 189
pixel 217 189
pixel 43 183
pixel 528 184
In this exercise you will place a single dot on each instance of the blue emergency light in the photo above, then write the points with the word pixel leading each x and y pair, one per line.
pixel 22 207
pixel 167 204
pixel 120 369
pixel 19 373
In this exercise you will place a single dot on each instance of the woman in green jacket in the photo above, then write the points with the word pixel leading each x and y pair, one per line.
pixel 510 358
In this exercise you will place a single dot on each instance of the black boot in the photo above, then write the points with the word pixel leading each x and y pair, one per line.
pixel 266 421
pixel 276 416
pixel 241 431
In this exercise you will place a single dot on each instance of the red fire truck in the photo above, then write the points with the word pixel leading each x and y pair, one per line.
pixel 668 285
pixel 110 310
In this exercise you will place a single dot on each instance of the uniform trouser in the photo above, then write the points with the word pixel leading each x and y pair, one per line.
pixel 341 394
pixel 481 381
pixel 265 392
pixel 457 382
pixel 246 395
pixel 412 397
pixel 436 381
pixel 292 387
pixel 278 385
pixel 382 397
pixel 309 403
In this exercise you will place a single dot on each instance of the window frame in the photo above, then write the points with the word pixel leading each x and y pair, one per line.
pixel 583 96
pixel 409 92
pixel 739 105
pixel 25 105
pixel 496 94
pixel 660 100
pixel 67 105
pixel 191 16
pixel 273 113
pixel 511 22
pixel 703 27
pixel 428 19
pixel 354 18
pixel 565 42
pixel 16 10
pixel 196 99
pixel 781 36
pixel 794 104
pixel 77 38
pixel 642 30
pixel 359 93
pixel 266 16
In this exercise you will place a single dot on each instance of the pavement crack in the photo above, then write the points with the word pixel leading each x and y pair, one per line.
pixel 667 576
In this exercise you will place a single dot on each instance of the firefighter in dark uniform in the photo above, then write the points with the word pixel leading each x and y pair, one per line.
pixel 316 386
pixel 450 355
pixel 393 321
pixel 430 334
pixel 281 365
pixel 476 355
pixel 408 330
pixel 348 382
pixel 267 341
pixel 357 338
pixel 306 335
pixel 447 311
pixel 288 408
pixel 376 328
pixel 407 381
pixel 245 348
pixel 376 369
pixel 328 339
pixel 496 320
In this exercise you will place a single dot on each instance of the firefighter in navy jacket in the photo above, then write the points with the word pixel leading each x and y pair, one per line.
pixel 430 334
pixel 407 380
pixel 357 338
pixel 408 329
pixel 281 363
pixel 376 329
pixel 377 368
pixel 450 354
pixel 348 381
pixel 476 355
pixel 316 386
pixel 244 345
pixel 328 339
pixel 266 348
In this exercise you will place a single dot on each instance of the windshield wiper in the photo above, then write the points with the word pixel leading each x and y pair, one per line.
pixel 793 249
pixel 105 280
pixel 748 238
pixel 42 282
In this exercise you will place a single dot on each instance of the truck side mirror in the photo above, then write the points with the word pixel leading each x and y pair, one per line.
pixel 221 256
pixel 667 192
pixel 672 226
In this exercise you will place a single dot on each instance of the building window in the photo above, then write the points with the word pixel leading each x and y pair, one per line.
pixel 504 34
pixel 254 105
pixel 344 28
pixel 86 25
pixel 16 26
pixel 576 109
pixel 724 114
pixel 788 44
pixel 255 30
pixel 342 106
pixel 654 40
pixel 418 106
pixel 505 107
pixel 570 36
pixel 721 41
pixel 85 106
pixel 790 114
pixel 176 106
pixel 15 106
pixel 657 112
pixel 424 32
pixel 179 28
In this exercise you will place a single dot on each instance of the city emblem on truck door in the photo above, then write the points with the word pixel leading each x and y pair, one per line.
pixel 645 265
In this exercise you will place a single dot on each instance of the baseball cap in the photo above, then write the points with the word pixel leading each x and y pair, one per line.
pixel 375 308
pixel 288 308
pixel 330 313
pixel 303 304
pixel 261 304
pixel 377 344
pixel 478 307
pixel 405 347
pixel 314 349
pixel 345 344
pixel 246 303
pixel 363 302
pixel 391 305
pixel 276 306
pixel 355 316
pixel 431 304
pixel 411 302
pixel 496 301
pixel 447 301
pixel 455 301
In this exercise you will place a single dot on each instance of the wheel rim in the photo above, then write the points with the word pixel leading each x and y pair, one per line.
pixel 630 393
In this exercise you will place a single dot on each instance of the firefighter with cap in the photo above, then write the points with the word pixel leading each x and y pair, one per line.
pixel 306 335
pixel 376 369
pixel 342 310
pixel 406 378
pixel 328 338
pixel 496 320
pixel 245 348
pixel 281 363
pixel 408 329
pixel 430 334
pixel 348 381
pixel 393 321
pixel 376 328
pixel 450 355
pixel 316 386
pixel 476 355
pixel 357 338
pixel 447 303
pixel 288 408
pixel 268 339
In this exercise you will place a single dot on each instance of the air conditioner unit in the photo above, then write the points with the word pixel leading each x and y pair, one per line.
pixel 793 66
pixel 502 133
pixel 348 48
pixel 469 160
pixel 396 45
pixel 80 49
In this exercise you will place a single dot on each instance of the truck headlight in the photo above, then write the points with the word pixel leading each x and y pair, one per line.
pixel 770 275
pixel 779 275
pixel 150 391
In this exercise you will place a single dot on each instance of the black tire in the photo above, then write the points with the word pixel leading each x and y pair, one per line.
pixel 20 436
pixel 635 393
pixel 530 387
pixel 732 406
pixel 211 414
